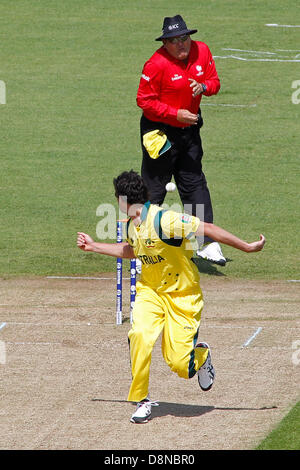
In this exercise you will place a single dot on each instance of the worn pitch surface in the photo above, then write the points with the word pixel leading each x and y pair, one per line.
pixel 65 369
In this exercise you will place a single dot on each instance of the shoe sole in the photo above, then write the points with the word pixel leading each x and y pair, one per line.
pixel 140 420
pixel 219 263
pixel 205 389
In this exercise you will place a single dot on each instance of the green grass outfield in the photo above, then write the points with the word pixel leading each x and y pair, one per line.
pixel 286 436
pixel 70 123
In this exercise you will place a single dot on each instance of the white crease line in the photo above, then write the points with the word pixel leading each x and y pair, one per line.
pixel 98 324
pixel 64 325
pixel 230 105
pixel 79 277
pixel 52 343
pixel 85 278
pixel 252 337
pixel 99 345
pixel 283 25
pixel 254 60
pixel 247 326
pixel 30 343
pixel 246 50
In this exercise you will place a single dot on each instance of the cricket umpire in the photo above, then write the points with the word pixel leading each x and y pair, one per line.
pixel 170 90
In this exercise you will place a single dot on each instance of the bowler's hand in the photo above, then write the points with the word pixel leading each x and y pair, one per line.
pixel 185 116
pixel 257 246
pixel 84 241
pixel 196 87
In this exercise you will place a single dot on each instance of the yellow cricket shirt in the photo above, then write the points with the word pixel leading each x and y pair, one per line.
pixel 163 244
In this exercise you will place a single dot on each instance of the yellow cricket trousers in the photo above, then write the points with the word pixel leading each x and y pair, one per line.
pixel 177 316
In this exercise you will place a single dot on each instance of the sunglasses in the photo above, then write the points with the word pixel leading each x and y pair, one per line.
pixel 182 38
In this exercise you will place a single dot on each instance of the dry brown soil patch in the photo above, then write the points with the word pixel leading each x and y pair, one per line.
pixel 66 374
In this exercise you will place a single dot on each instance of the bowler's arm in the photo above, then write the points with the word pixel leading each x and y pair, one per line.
pixel 222 236
pixel 118 250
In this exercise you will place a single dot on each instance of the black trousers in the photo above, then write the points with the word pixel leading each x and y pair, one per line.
pixel 183 161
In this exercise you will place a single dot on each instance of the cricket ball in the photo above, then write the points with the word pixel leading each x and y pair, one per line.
pixel 170 187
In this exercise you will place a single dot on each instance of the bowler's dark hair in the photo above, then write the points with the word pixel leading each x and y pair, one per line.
pixel 131 185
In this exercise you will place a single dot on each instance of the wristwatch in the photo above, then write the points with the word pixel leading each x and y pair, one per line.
pixel 204 87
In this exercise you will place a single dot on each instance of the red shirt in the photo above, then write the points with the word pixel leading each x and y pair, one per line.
pixel 164 87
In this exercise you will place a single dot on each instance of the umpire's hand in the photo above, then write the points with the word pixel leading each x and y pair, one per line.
pixel 185 116
pixel 196 87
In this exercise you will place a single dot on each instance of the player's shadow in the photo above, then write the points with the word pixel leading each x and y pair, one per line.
pixel 206 267
pixel 188 411
pixel 182 410
pixel 169 409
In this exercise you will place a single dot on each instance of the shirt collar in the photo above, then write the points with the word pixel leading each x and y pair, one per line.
pixel 145 211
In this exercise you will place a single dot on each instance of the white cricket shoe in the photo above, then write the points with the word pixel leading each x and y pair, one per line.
pixel 142 413
pixel 206 373
pixel 138 266
pixel 212 252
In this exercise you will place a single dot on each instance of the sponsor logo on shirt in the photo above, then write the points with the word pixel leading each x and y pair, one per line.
pixel 145 77
pixel 185 219
pixel 149 243
pixel 176 77
pixel 199 70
